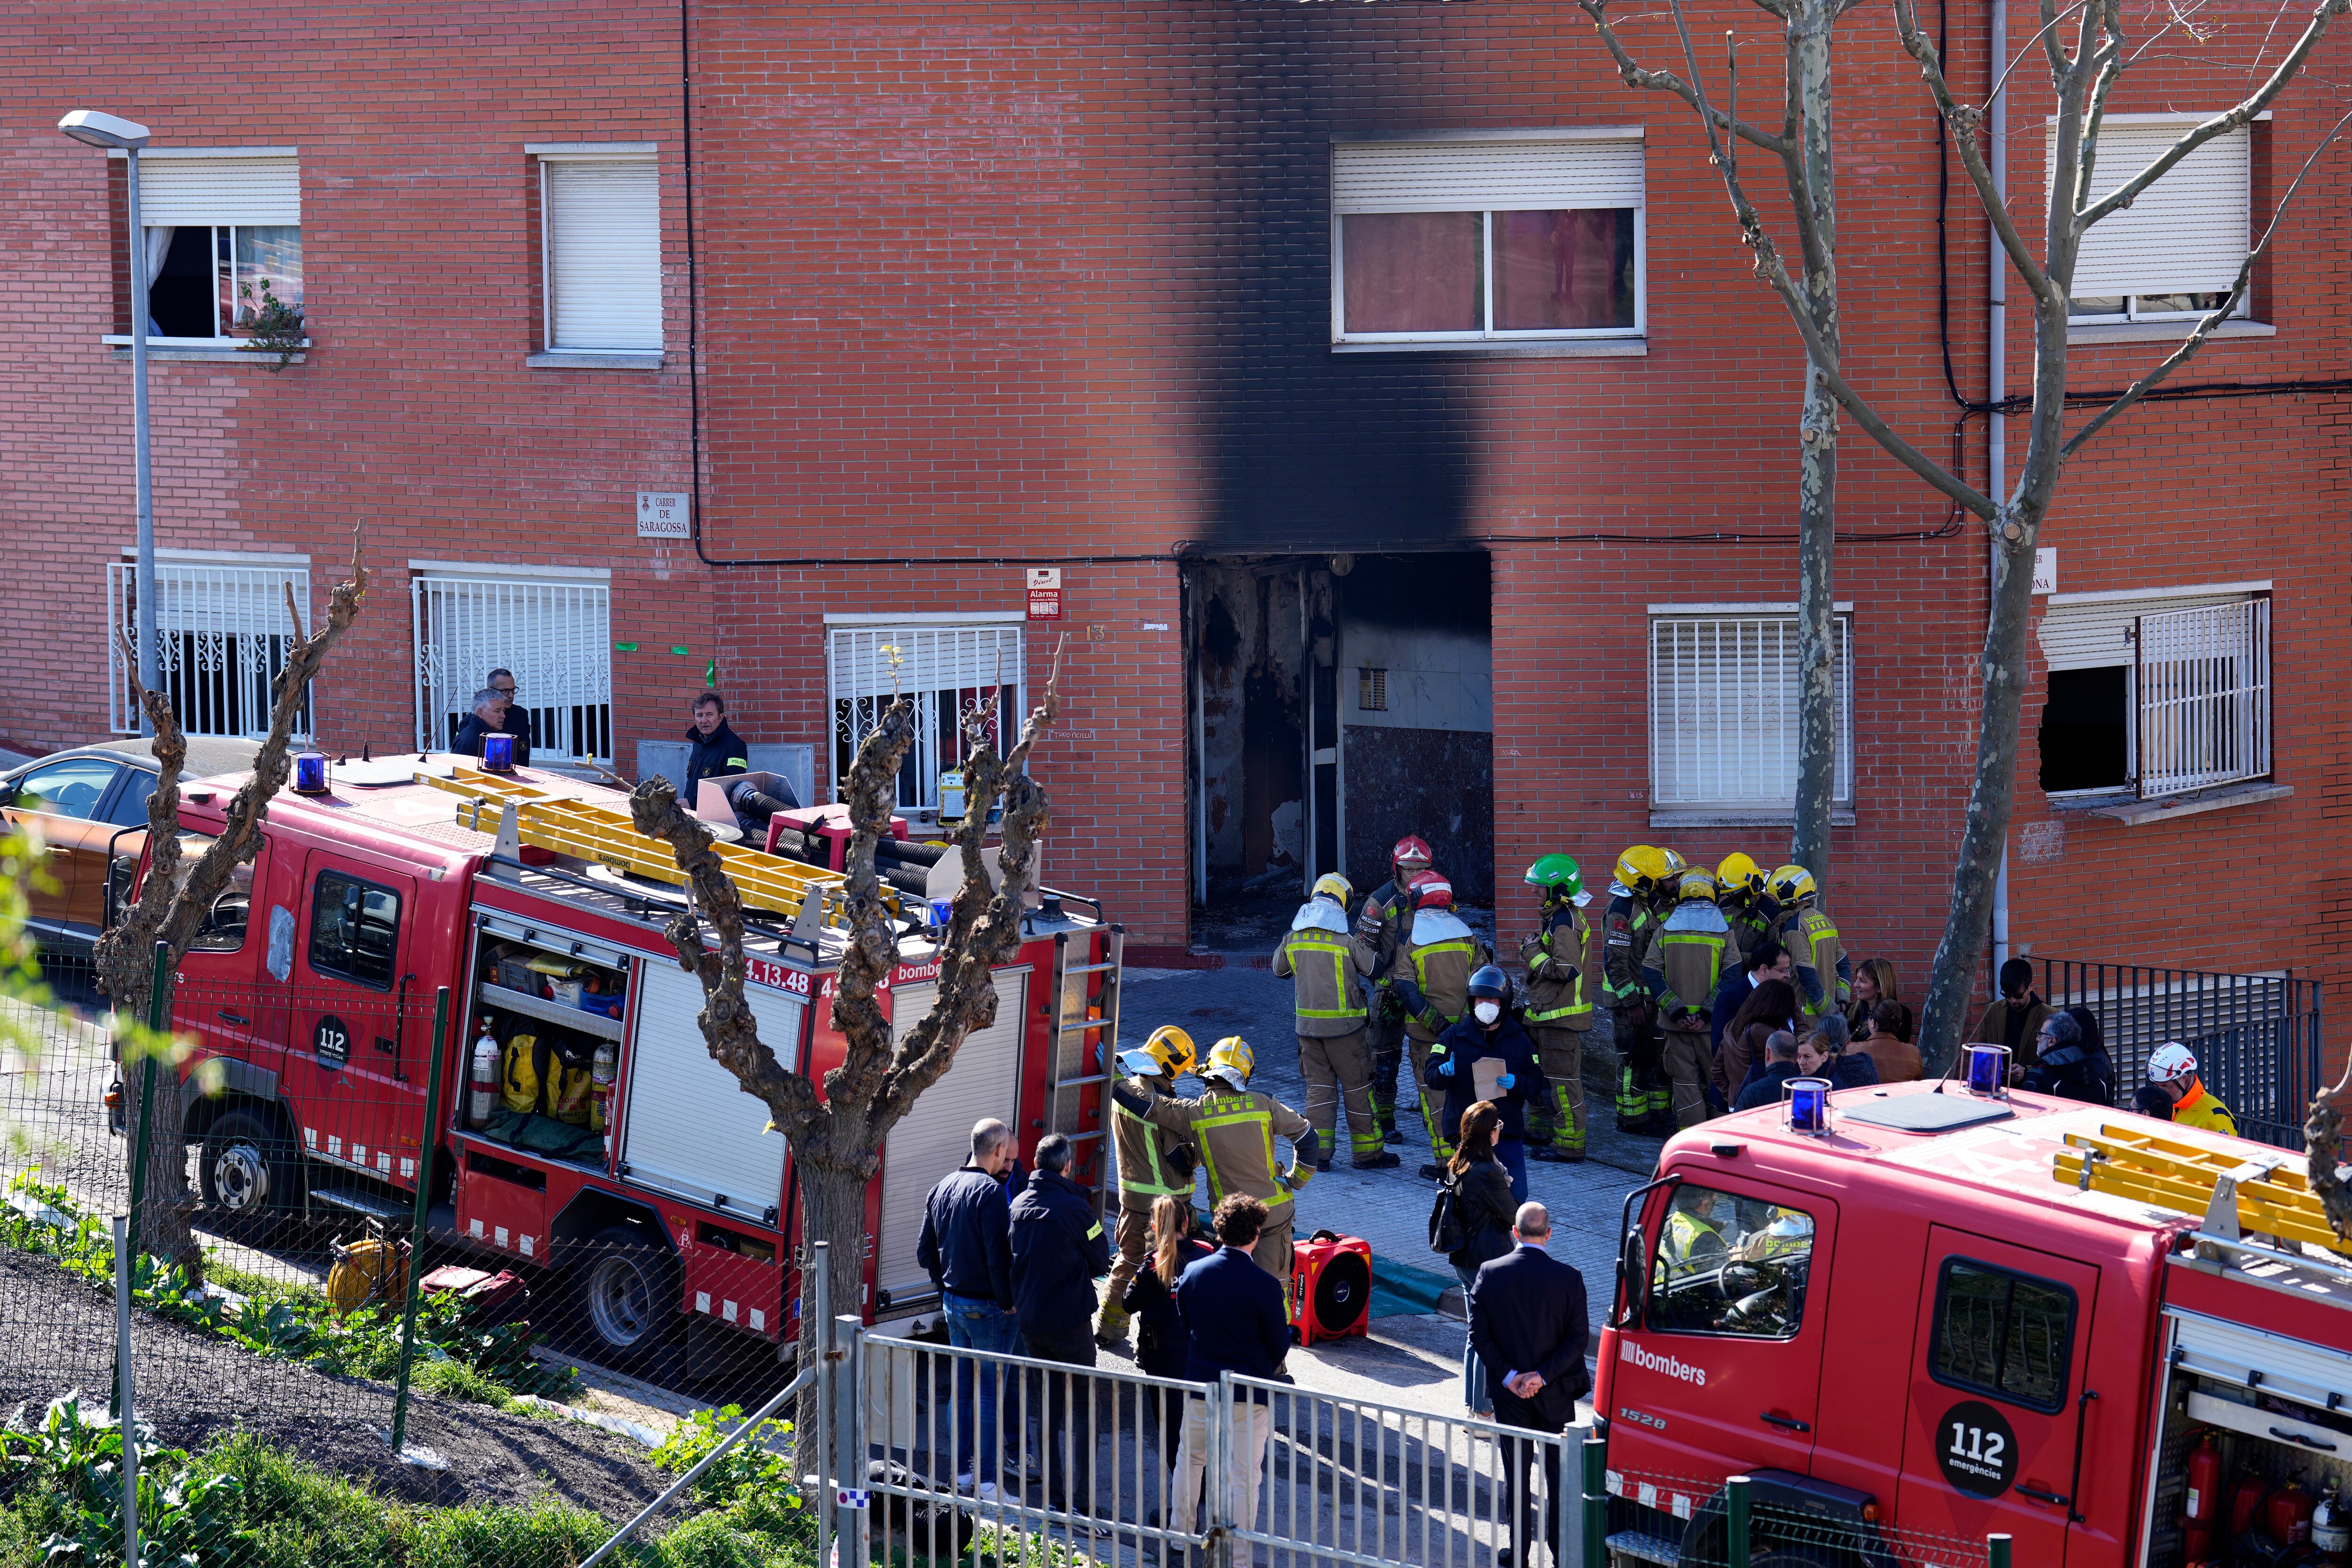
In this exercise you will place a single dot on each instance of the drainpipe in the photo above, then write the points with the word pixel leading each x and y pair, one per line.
pixel 1996 389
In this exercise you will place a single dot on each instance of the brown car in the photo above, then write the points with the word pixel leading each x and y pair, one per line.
pixel 91 804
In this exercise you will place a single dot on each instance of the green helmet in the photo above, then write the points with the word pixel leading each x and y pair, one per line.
pixel 1558 875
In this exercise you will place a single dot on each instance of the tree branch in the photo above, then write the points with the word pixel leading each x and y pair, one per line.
pixel 1635 75
pixel 2196 340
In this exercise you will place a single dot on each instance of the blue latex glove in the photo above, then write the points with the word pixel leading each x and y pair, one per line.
pixel 1507 1081
pixel 1445 1068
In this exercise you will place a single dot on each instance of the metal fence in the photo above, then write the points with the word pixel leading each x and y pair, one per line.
pixel 2256 1037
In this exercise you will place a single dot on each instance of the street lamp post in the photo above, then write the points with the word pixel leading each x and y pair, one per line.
pixel 98 129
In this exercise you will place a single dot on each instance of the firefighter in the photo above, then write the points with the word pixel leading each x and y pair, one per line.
pixel 1233 1126
pixel 1557 1014
pixel 1432 979
pixel 1746 908
pixel 1383 926
pixel 1152 1162
pixel 2172 1072
pixel 1637 900
pixel 1326 966
pixel 1692 1239
pixel 1824 974
pixel 1686 962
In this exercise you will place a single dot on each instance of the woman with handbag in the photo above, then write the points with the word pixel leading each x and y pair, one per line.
pixel 1160 1344
pixel 1474 1213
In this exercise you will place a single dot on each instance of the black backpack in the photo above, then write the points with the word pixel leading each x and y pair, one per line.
pixel 1447 1234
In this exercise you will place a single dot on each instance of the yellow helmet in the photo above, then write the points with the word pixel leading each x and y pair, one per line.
pixel 1695 883
pixel 1333 885
pixel 1231 1060
pixel 1793 887
pixel 1644 869
pixel 1675 864
pixel 1168 1053
pixel 1738 874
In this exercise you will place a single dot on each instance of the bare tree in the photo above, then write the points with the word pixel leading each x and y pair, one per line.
pixel 2323 1140
pixel 2083 78
pixel 178 894
pixel 837 1135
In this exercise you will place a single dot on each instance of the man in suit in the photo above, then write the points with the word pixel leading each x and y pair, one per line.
pixel 1236 1321
pixel 1528 1324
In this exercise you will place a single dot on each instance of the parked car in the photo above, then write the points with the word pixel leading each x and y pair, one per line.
pixel 93 806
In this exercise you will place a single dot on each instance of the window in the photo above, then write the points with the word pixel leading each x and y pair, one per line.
pixel 949 673
pixel 554 633
pixel 601 248
pixel 2176 250
pixel 1723 708
pixel 1729 1264
pixel 2009 1335
pixel 129 808
pixel 224 240
pixel 354 929
pixel 1372 690
pixel 1495 239
pixel 71 788
pixel 222 634
pixel 2155 695
pixel 232 912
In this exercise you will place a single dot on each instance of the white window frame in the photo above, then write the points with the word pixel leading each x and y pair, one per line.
pixel 564 674
pixel 2132 311
pixel 218 607
pixel 1488 331
pixel 1729 755
pixel 961 650
pixel 149 160
pixel 547 153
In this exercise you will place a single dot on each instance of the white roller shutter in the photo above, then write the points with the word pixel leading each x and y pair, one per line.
pixel 603 254
pixel 929 659
pixel 691 1132
pixel 1723 710
pixel 1484 176
pixel 2187 232
pixel 935 1136
pixel 2098 635
pixel 255 188
pixel 2292 1369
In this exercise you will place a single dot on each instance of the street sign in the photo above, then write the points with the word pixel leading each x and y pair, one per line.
pixel 1045 592
pixel 664 514
pixel 2045 571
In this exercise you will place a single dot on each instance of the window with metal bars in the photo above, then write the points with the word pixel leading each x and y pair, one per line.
pixel 554 632
pixel 221 637
pixel 2009 1335
pixel 2156 701
pixel 949 672
pixel 1723 710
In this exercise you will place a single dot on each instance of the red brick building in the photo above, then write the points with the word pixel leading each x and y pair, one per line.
pixel 1385 383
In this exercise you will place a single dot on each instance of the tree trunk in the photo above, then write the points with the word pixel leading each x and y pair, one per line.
pixel 167 1204
pixel 832 1207
pixel 1817 465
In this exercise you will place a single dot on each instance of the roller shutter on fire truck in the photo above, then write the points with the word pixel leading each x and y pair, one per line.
pixel 691 1132
pixel 935 1136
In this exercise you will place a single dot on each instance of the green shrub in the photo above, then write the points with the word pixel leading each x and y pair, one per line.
pixel 753 1466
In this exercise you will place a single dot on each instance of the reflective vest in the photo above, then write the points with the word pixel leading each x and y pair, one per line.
pixel 1555 961
pixel 1824 974
pixel 1624 948
pixel 2198 1108
pixel 1329 990
pixel 1442 969
pixel 1143 1173
pixel 1750 923
pixel 1690 957
pixel 1684 1231
pixel 1235 1134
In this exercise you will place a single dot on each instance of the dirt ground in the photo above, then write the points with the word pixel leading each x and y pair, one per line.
pixel 57 1334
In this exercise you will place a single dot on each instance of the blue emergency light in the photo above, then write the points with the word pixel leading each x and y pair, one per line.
pixel 1988 1071
pixel 1808 1106
pixel 498 753
pixel 311 773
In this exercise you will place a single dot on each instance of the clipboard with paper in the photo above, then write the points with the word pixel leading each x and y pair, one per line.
pixel 1487 1076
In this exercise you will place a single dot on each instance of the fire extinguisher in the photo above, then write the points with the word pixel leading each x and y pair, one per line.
pixel 2201 1509
pixel 483 1096
pixel 2286 1513
pixel 2246 1503
pixel 600 1084
pixel 2331 1530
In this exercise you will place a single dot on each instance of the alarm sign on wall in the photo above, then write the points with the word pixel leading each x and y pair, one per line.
pixel 1045 592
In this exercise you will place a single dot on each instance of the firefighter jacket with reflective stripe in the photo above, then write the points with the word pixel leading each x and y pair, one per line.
pixel 1750 923
pixel 1235 1134
pixel 1688 1242
pixel 1144 1173
pixel 1687 959
pixel 1384 925
pixel 1825 974
pixel 1327 969
pixel 1441 955
pixel 2198 1108
pixel 1627 929
pixel 1555 961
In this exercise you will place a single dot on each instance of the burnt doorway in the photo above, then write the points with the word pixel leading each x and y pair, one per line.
pixel 1333 699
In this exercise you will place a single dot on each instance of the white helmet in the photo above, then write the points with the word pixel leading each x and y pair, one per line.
pixel 2169 1060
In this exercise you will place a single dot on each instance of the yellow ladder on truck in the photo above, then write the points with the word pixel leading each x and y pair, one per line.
pixel 2268 1195
pixel 566 825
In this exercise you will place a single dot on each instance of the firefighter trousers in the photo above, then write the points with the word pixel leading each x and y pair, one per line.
pixel 1384 1040
pixel 1559 1121
pixel 1686 1061
pixel 1337 1067
pixel 1432 1103
pixel 1134 1237
pixel 1274 1248
pixel 1643 1090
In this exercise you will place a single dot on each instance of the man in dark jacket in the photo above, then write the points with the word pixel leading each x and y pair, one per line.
pixel 1059 1250
pixel 1528 1325
pixel 1489 1030
pixel 1779 1067
pixel 2071 1061
pixel 716 750
pixel 967 1248
pixel 1768 961
pixel 1237 1321
pixel 490 717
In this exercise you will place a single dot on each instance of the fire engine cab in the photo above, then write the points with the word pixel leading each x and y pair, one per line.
pixel 1940 1316
pixel 602 1151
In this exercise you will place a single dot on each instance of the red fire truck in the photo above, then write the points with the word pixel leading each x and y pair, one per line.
pixel 534 898
pixel 2119 1341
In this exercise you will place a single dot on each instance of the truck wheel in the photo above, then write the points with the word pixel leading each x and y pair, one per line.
pixel 251 1169
pixel 625 1302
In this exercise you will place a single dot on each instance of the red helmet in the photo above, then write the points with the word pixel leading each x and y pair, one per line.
pixel 1411 851
pixel 1431 891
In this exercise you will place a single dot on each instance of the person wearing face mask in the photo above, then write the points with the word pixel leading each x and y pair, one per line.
pixel 1490 1032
